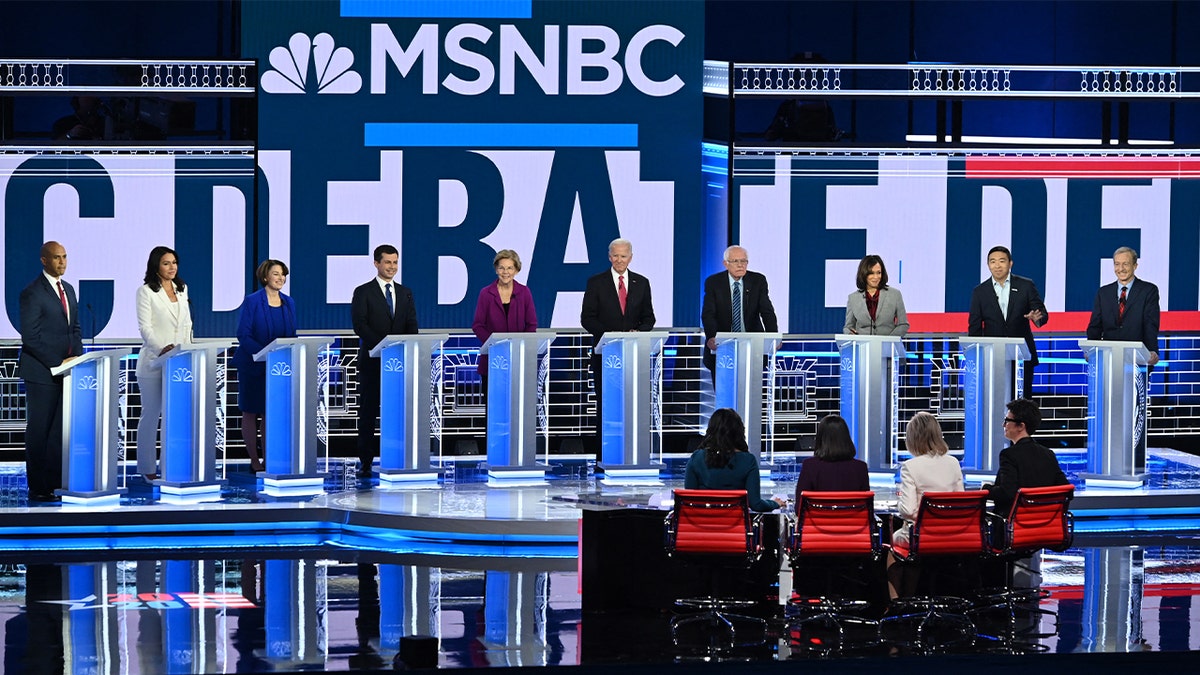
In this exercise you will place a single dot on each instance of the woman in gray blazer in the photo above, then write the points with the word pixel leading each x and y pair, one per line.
pixel 875 309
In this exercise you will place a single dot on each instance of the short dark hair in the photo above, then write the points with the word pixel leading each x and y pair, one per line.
pixel 1000 249
pixel 151 279
pixel 864 268
pixel 832 442
pixel 1027 413
pixel 264 268
pixel 726 435
pixel 385 249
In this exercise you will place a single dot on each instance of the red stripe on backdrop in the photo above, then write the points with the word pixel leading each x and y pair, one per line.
pixel 1083 167
pixel 1060 322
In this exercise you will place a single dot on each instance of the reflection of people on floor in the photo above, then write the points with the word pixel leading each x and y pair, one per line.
pixel 42 651
pixel 366 624
pixel 251 631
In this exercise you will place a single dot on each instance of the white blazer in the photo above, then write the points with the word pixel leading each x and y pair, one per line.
pixel 161 323
pixel 926 473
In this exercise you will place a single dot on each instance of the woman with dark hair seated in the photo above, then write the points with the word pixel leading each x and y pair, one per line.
pixel 723 461
pixel 833 466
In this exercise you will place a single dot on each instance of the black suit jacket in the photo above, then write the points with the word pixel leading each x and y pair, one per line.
pixel 46 336
pixel 1140 323
pixel 986 320
pixel 1025 463
pixel 717 313
pixel 601 310
pixel 372 322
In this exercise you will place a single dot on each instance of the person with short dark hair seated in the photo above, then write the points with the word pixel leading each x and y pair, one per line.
pixel 1025 463
pixel 833 468
pixel 723 461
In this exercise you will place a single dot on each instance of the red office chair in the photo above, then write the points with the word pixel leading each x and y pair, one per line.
pixel 838 530
pixel 949 525
pixel 1040 518
pixel 713 526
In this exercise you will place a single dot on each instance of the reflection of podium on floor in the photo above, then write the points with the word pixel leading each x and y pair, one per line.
pixel 515 378
pixel 632 407
pixel 91 433
pixel 405 400
pixel 870 391
pixel 1118 385
pixel 190 422
pixel 295 410
pixel 990 381
pixel 739 378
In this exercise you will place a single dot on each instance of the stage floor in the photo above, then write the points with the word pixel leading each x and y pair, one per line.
pixel 249 583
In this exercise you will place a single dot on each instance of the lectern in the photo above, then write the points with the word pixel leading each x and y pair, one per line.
pixel 1117 388
pixel 191 420
pixel 870 391
pixel 739 378
pixel 90 437
pixel 515 378
pixel 993 369
pixel 295 409
pixel 630 366
pixel 405 400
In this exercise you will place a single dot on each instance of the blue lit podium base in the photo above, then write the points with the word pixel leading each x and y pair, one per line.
pixel 516 476
pixel 977 476
pixel 91 498
pixel 631 474
pixel 401 478
pixel 1097 480
pixel 292 485
pixel 188 492
pixel 884 478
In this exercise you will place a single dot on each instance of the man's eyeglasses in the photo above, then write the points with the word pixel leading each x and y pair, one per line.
pixel 739 261
pixel 1009 420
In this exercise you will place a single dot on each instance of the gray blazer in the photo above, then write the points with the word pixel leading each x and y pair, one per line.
pixel 890 317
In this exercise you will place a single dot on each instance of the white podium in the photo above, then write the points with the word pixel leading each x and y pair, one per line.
pixel 90 418
pixel 405 400
pixel 739 378
pixel 191 420
pixel 1117 389
pixel 295 409
pixel 515 380
pixel 870 390
pixel 632 407
pixel 988 385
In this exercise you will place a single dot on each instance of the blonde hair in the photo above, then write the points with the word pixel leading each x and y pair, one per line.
pixel 923 436
pixel 509 254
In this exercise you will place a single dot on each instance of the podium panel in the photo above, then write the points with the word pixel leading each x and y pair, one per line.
pixel 1117 389
pixel 91 418
pixel 632 408
pixel 739 378
pixel 870 390
pixel 295 410
pixel 192 420
pixel 405 400
pixel 992 376
pixel 516 376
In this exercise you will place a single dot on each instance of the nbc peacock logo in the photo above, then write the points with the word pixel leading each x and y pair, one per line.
pixel 289 72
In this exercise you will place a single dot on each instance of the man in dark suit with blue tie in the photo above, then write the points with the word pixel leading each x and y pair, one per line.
pixel 614 300
pixel 50 336
pixel 379 308
pixel 1003 306
pixel 736 300
pixel 1128 308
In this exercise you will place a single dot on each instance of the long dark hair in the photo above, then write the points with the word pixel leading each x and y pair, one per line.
pixel 152 280
pixel 726 435
pixel 832 442
pixel 864 268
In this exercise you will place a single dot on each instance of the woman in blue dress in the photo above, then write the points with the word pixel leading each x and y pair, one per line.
pixel 723 461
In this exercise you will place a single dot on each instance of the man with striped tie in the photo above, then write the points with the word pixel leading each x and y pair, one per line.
pixel 1128 308
pixel 736 300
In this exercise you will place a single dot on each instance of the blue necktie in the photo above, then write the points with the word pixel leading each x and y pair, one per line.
pixel 391 304
pixel 738 326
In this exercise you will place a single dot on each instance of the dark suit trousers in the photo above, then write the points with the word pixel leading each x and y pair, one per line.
pixel 368 410
pixel 43 436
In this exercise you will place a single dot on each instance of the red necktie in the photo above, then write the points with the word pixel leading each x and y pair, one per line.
pixel 1121 305
pixel 63 297
pixel 621 292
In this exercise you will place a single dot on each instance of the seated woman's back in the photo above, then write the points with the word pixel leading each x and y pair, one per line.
pixel 833 468
pixel 722 462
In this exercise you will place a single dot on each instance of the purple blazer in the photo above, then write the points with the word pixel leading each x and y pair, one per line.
pixel 821 476
pixel 490 317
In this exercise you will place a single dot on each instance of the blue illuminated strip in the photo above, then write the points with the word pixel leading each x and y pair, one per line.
pixel 474 135
pixel 438 9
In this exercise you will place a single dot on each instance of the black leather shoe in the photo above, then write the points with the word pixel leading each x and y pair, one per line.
pixel 46 499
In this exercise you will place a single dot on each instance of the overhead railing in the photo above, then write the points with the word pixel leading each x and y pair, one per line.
pixel 212 77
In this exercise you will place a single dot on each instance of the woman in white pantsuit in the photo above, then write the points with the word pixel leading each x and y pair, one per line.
pixel 165 322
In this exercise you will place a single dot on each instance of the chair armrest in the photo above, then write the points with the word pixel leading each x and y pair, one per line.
pixel 995 524
pixel 669 532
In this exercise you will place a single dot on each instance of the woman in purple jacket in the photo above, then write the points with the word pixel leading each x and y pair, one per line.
pixel 503 307
pixel 832 466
